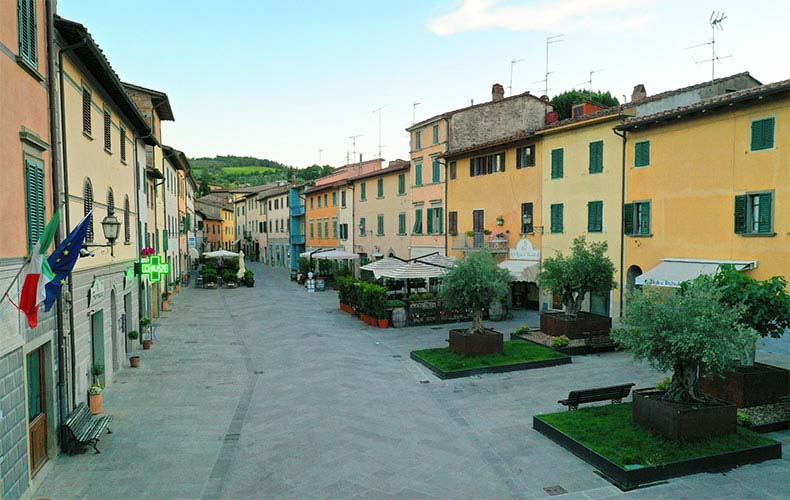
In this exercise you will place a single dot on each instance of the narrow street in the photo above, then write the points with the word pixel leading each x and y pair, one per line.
pixel 274 392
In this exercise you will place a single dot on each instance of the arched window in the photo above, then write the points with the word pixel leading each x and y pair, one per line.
pixel 87 203
pixel 127 229
pixel 110 202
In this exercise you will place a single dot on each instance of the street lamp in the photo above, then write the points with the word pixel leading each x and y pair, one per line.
pixel 110 227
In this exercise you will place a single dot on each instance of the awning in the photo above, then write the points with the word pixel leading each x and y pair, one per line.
pixel 387 263
pixel 329 255
pixel 413 270
pixel 673 272
pixel 522 270
pixel 193 253
pixel 437 259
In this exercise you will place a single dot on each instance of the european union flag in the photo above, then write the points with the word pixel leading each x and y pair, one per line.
pixel 63 259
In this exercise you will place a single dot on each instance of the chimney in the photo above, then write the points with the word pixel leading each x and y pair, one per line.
pixel 639 93
pixel 497 92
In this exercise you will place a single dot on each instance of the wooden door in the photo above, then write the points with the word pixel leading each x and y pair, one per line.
pixel 478 226
pixel 37 409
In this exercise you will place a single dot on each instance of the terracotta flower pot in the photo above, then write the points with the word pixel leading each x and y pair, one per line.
pixel 134 361
pixel 165 306
pixel 96 403
pixel 147 344
pixel 384 323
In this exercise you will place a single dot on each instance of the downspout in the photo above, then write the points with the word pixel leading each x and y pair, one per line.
pixel 624 136
pixel 446 180
pixel 140 239
pixel 65 163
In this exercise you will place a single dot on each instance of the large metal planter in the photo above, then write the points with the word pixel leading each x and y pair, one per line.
pixel 749 385
pixel 682 422
pixel 585 324
pixel 476 344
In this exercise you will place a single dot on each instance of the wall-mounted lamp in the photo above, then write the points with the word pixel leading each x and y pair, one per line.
pixel 110 227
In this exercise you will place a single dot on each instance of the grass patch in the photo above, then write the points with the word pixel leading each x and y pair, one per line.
pixel 515 351
pixel 610 431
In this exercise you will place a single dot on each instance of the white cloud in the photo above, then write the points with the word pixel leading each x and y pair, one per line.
pixel 540 15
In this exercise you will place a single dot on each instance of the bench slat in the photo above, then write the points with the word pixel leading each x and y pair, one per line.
pixel 613 393
pixel 86 428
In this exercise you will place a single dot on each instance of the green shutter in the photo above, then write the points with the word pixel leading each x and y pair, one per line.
pixel 595 216
pixel 557 160
pixel 556 218
pixel 380 224
pixel 26 12
pixel 596 157
pixel 164 240
pixel 763 134
pixel 401 223
pixel 401 184
pixel 418 174
pixel 644 223
pixel 436 171
pixel 417 221
pixel 36 206
pixel 380 187
pixel 438 213
pixel 764 218
pixel 642 154
pixel 429 217
pixel 362 192
pixel 628 218
pixel 741 202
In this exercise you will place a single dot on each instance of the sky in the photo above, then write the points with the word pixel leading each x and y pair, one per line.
pixel 294 81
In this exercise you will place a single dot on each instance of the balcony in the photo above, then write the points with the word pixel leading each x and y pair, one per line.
pixel 497 244
pixel 297 239
pixel 297 210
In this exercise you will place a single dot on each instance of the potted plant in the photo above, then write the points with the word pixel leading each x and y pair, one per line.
pixel 147 252
pixel 230 278
pixel 472 285
pixel 399 317
pixel 249 278
pixel 134 359
pixel 688 332
pixel 500 221
pixel 166 301
pixel 487 232
pixel 177 286
pixel 210 277
pixel 587 270
pixel 95 397
pixel 765 307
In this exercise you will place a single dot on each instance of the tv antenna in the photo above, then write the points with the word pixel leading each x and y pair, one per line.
pixel 319 155
pixel 354 145
pixel 549 40
pixel 413 111
pixel 378 110
pixel 589 80
pixel 716 19
pixel 513 62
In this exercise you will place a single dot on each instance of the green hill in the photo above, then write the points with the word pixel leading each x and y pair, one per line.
pixel 233 171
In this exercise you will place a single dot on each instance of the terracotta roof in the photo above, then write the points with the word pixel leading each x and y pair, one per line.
pixel 159 99
pixel 397 167
pixel 218 200
pixel 724 100
pixel 670 93
pixel 273 191
pixel 518 136
pixel 447 114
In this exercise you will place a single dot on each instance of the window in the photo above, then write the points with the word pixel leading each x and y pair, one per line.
pixel 362 226
pixel 380 188
pixel 527 223
pixel 417 221
pixel 312 232
pixel 123 145
pixel 433 217
pixel 326 200
pixel 754 213
pixel 107 130
pixel 334 198
pixel 452 222
pixel 87 207
pixel 343 231
pixel 86 111
pixel 36 204
pixel 453 170
pixel 363 195
pixel 334 227
pixel 401 183
pixel 380 225
pixel 556 217
pixel 319 201
pixel 488 164
pixel 595 216
pixel 642 154
pixel 402 223
pixel 636 218
pixel 436 172
pixel 343 198
pixel 418 174
pixel 311 203
pixel 525 157
pixel 763 134
pixel 320 229
pixel 326 227
pixel 277 203
pixel 436 134
pixel 557 163
pixel 26 12
pixel 418 140
pixel 596 157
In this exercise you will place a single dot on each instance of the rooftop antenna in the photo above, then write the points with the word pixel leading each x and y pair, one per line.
pixel 354 145
pixel 549 41
pixel 378 110
pixel 413 110
pixel 716 19
pixel 513 62
pixel 319 155
pixel 589 80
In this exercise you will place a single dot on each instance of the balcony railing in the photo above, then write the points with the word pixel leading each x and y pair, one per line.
pixel 297 239
pixel 495 243
pixel 297 210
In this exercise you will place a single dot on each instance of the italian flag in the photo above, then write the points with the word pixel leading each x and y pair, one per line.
pixel 38 274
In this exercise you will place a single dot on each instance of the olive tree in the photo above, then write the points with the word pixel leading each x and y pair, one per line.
pixel 688 332
pixel 586 270
pixel 473 284
pixel 766 304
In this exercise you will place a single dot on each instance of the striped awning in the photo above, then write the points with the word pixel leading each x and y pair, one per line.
pixel 437 260
pixel 414 270
pixel 387 263
pixel 673 272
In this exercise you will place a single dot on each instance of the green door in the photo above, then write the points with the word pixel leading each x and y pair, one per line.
pixel 97 341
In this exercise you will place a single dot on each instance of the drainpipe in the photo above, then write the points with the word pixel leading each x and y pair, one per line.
pixel 65 163
pixel 624 136
pixel 140 239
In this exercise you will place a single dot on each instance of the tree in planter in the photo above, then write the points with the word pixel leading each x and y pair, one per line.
pixel 688 332
pixel 473 284
pixel 586 270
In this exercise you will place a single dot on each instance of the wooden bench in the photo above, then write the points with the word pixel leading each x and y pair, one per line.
pixel 615 394
pixel 83 428
pixel 598 342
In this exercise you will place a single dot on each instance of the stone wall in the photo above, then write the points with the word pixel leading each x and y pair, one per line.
pixel 494 120
pixel 13 429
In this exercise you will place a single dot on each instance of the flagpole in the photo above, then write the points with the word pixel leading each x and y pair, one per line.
pixel 16 277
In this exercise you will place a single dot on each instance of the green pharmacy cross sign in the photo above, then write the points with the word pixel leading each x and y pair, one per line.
pixel 155 268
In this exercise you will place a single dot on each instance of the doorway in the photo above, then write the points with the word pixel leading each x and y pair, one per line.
pixel 127 322
pixel 97 343
pixel 116 341
pixel 478 226
pixel 37 408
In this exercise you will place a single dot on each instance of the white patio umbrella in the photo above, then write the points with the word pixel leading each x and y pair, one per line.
pixel 220 254
pixel 414 270
pixel 387 263
pixel 330 255
pixel 438 260
pixel 242 268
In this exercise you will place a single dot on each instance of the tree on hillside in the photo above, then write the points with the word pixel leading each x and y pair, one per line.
pixel 203 189
pixel 564 102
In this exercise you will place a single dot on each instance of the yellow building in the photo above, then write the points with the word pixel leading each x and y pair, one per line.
pixel 709 184
pixel 494 197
